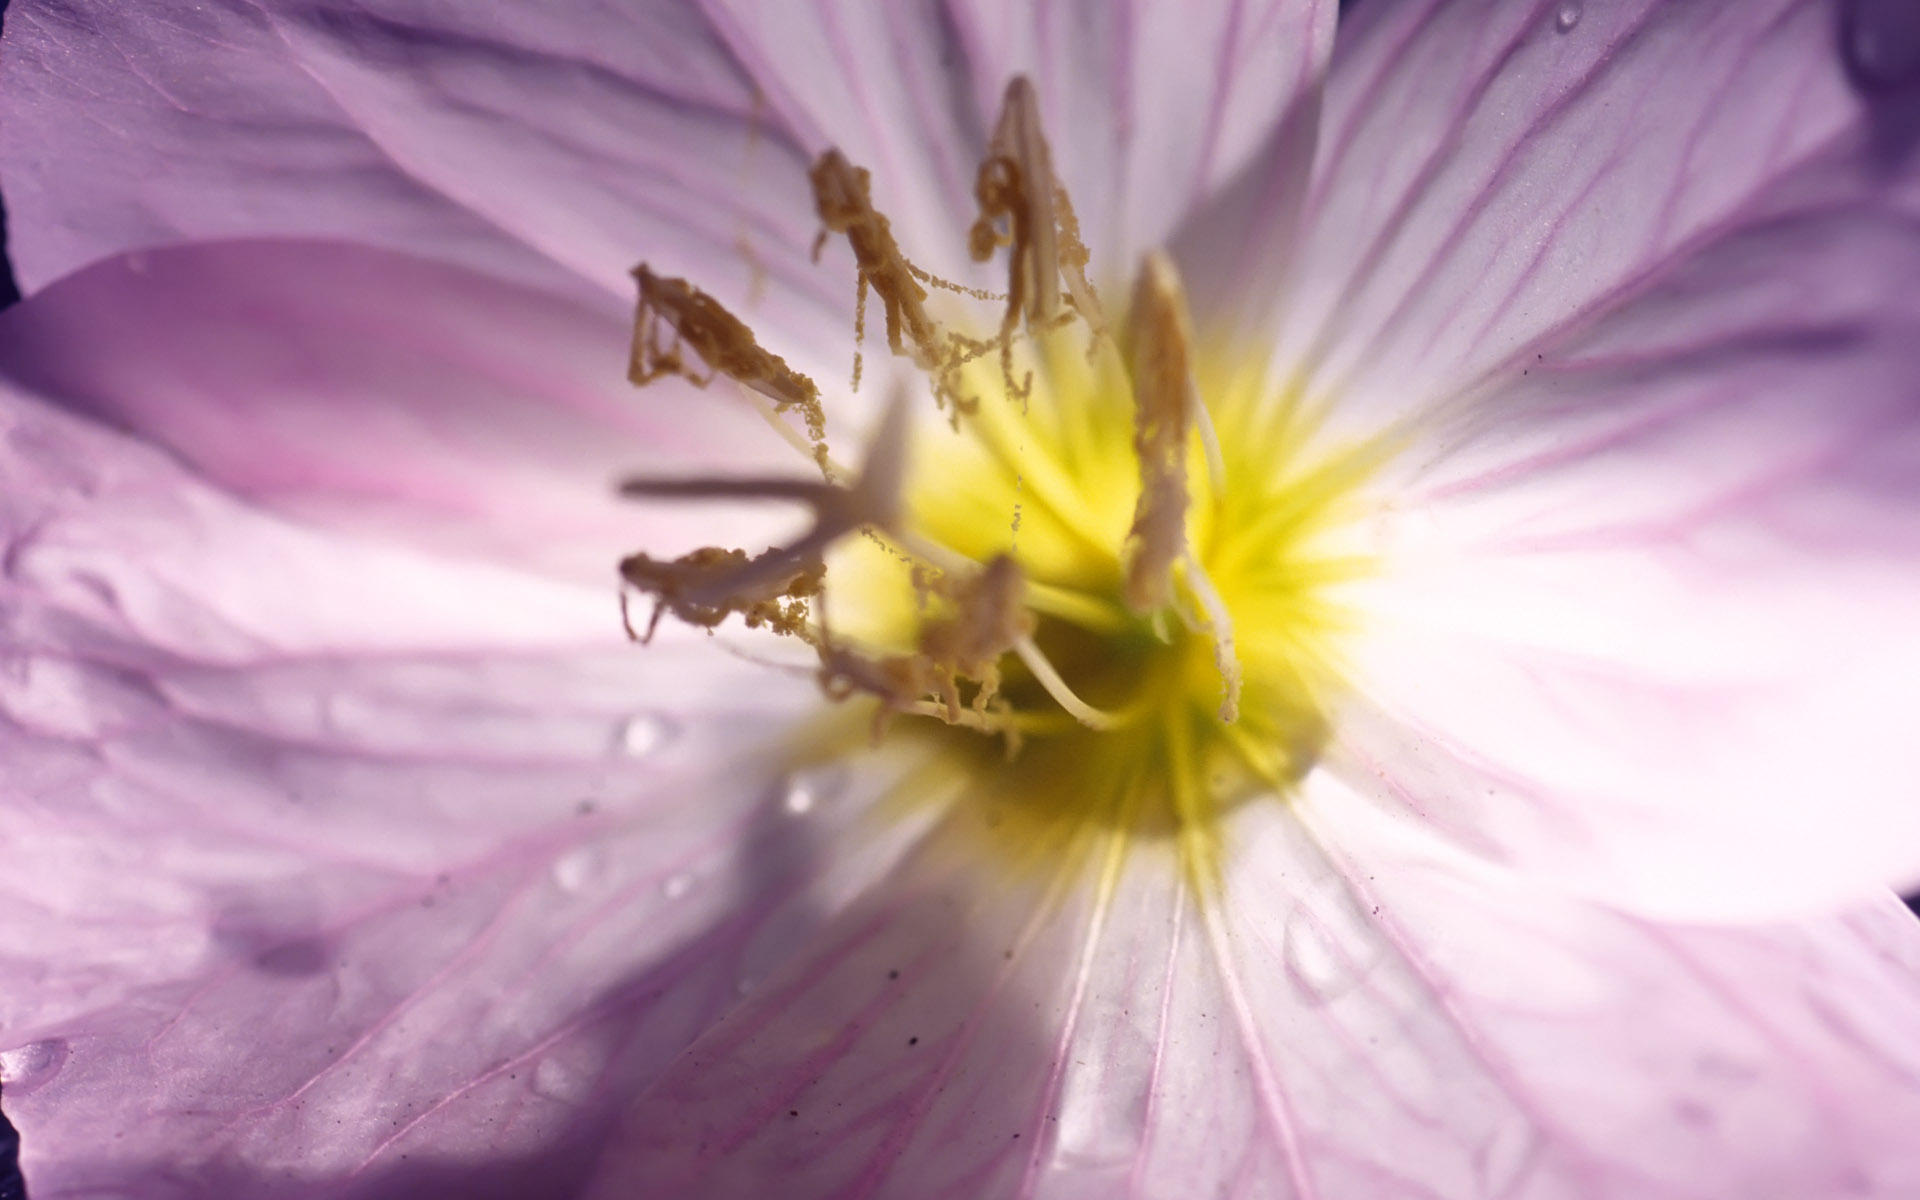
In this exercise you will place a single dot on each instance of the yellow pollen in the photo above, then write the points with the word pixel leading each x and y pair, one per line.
pixel 1118 556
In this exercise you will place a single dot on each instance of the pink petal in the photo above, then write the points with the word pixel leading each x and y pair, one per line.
pixel 1365 1022
pixel 556 148
pixel 1658 616
pixel 1487 177
pixel 386 393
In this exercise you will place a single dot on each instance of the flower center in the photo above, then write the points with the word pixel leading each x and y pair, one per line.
pixel 1105 584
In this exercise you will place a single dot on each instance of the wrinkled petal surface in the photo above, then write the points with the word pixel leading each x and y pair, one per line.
pixel 295 910
pixel 1487 177
pixel 1151 108
pixel 557 147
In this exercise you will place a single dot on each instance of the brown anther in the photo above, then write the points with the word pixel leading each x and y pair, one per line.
pixel 1024 206
pixel 705 587
pixel 724 344
pixel 898 681
pixel 1165 401
pixel 988 616
pixel 843 193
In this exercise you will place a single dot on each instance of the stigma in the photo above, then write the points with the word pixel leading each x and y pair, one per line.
pixel 1047 545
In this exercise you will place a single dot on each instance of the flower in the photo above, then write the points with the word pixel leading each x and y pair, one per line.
pixel 352 851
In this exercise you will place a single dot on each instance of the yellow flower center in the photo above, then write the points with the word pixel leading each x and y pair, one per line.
pixel 1104 577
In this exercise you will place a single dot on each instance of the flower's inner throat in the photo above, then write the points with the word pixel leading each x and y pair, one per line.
pixel 1072 563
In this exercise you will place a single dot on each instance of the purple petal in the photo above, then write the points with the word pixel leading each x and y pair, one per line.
pixel 274 826
pixel 337 922
pixel 286 920
pixel 553 148
pixel 1660 615
pixel 386 393
pixel 1487 177
pixel 1345 1023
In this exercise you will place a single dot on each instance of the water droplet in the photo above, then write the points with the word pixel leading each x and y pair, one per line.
pixel 1502 1160
pixel 1881 42
pixel 677 885
pixel 1567 15
pixel 558 1080
pixel 573 871
pixel 643 734
pixel 806 789
pixel 1328 949
pixel 26 1068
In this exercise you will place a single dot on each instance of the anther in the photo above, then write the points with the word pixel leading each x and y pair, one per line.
pixel 1024 208
pixel 725 346
pixel 1165 400
pixel 989 617
pixel 843 194
pixel 702 588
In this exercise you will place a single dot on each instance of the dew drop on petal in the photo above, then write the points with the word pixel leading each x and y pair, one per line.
pixel 557 1080
pixel 27 1067
pixel 1881 42
pixel 1327 950
pixel 643 734
pixel 1502 1160
pixel 677 885
pixel 1566 15
pixel 573 871
pixel 806 789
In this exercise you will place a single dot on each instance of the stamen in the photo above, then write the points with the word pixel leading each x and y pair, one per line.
pixel 843 195
pixel 1016 185
pixel 1165 400
pixel 725 345
pixel 1049 678
pixel 702 588
pixel 707 586
pixel 1210 444
pixel 1219 626
pixel 989 618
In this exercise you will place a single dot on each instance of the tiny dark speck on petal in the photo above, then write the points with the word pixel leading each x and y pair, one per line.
pixel 893 974
pixel 913 1041
pixel 299 956
pixel 793 1112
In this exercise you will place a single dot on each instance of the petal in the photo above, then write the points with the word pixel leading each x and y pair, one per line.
pixel 113 546
pixel 1628 1057
pixel 881 84
pixel 1342 1025
pixel 1658 615
pixel 378 924
pixel 1150 108
pixel 556 149
pixel 283 810
pixel 915 1049
pixel 1487 177
pixel 385 393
